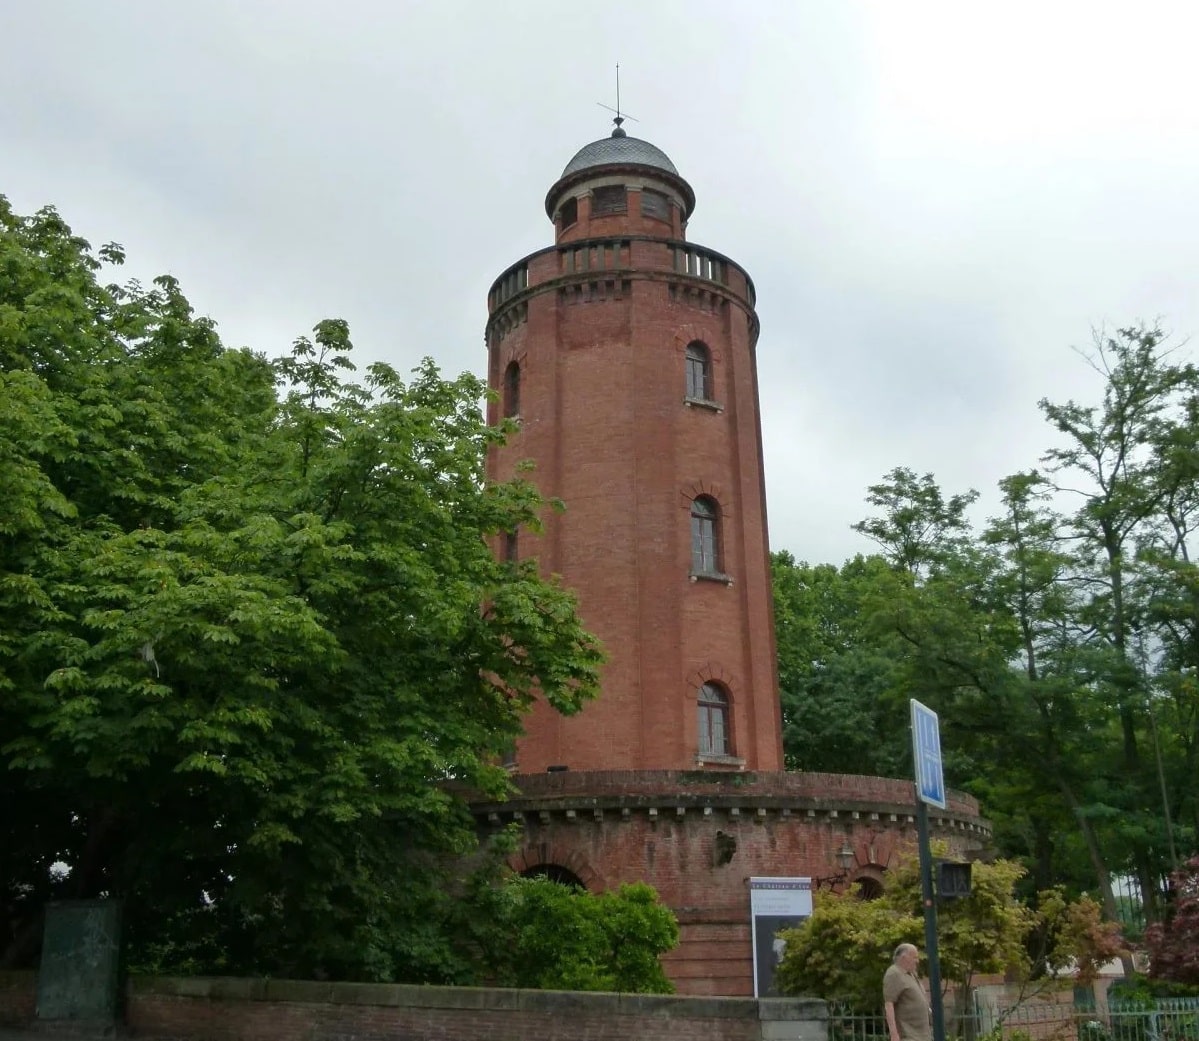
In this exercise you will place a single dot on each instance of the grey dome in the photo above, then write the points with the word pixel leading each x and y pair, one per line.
pixel 619 149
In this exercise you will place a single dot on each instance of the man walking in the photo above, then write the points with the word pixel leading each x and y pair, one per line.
pixel 904 1000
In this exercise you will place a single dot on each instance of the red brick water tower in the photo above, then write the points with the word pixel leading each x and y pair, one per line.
pixel 626 353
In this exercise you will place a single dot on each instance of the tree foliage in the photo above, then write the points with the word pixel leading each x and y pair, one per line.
pixel 844 948
pixel 919 527
pixel 554 937
pixel 250 627
pixel 1173 943
pixel 840 680
pixel 1058 642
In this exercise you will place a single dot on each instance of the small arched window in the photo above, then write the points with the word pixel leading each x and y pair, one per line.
pixel 699 371
pixel 713 720
pixel 555 873
pixel 512 389
pixel 705 547
pixel 867 888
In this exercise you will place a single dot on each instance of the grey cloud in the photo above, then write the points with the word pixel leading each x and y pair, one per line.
pixel 932 209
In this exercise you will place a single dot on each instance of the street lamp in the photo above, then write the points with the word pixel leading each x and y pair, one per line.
pixel 846 858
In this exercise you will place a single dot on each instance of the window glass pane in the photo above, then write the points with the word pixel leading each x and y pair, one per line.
pixel 713 721
pixel 704 556
pixel 699 371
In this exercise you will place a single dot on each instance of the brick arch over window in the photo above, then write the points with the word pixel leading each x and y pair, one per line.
pixel 689 333
pixel 555 873
pixel 541 857
pixel 711 672
pixel 688 493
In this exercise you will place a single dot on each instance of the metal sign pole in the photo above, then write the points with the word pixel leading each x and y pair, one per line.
pixel 930 922
pixel 930 787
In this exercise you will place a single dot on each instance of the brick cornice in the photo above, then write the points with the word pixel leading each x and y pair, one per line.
pixel 675 794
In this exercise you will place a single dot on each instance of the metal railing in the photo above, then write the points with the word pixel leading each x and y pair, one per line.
pixel 1163 1019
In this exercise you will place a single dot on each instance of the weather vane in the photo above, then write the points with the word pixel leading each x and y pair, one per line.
pixel 619 117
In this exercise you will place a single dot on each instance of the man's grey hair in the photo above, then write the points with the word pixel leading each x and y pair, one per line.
pixel 901 950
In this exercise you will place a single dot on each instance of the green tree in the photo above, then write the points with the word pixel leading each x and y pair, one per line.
pixel 1129 461
pixel 919 527
pixel 856 644
pixel 843 949
pixel 1052 727
pixel 555 937
pixel 1174 942
pixel 251 647
pixel 840 680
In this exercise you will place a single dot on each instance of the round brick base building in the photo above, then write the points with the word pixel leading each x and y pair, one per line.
pixel 625 354
pixel 698 836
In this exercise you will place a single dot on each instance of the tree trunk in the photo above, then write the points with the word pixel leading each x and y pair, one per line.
pixel 1107 896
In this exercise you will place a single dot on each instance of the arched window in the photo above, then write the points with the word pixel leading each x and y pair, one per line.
pixel 867 888
pixel 699 371
pixel 713 720
pixel 555 873
pixel 705 547
pixel 512 389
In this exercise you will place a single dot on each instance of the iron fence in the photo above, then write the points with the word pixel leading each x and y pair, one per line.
pixel 1164 1019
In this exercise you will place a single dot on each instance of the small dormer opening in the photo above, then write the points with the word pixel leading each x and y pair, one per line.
pixel 655 204
pixel 568 214
pixel 608 200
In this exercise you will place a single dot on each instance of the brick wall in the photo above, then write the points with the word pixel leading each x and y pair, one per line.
pixel 601 345
pixel 228 1009
pixel 826 788
pixel 698 836
pixel 223 1009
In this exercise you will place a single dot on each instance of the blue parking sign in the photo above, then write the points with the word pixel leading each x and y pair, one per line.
pixel 926 754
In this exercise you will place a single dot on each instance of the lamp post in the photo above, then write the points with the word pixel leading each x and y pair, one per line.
pixel 845 858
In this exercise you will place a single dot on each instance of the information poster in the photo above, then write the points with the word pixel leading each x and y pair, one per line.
pixel 774 904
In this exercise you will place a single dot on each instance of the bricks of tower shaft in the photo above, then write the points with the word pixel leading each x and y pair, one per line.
pixel 631 352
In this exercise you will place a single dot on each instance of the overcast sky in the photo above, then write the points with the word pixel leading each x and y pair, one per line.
pixel 936 201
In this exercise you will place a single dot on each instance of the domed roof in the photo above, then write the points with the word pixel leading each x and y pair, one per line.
pixel 621 149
